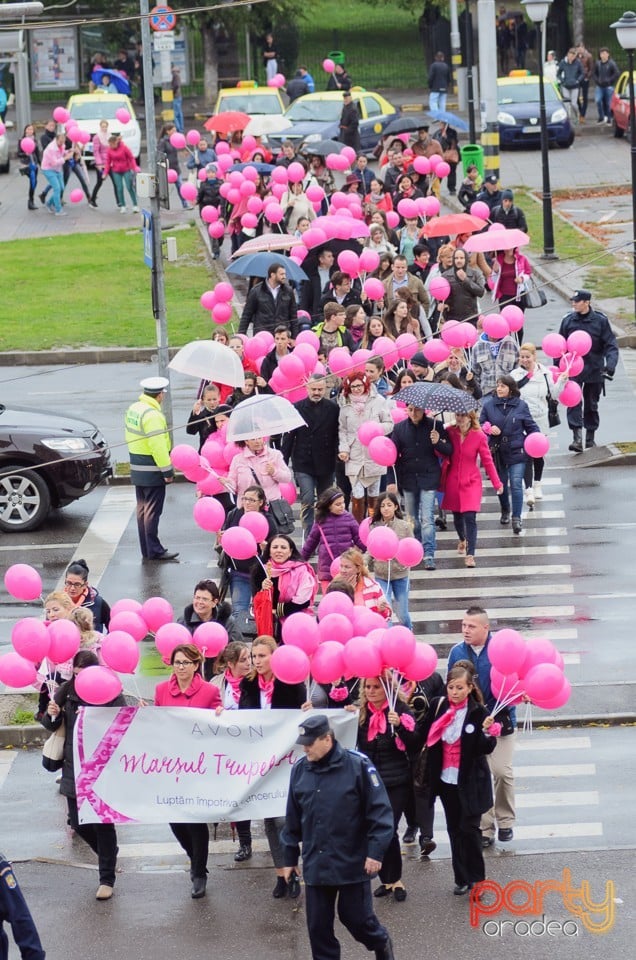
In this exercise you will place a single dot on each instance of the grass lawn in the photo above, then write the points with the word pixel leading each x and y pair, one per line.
pixel 94 290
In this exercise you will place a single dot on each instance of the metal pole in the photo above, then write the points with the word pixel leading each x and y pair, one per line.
pixel 632 141
pixel 469 74
pixel 158 280
pixel 548 229
pixel 456 50
pixel 486 32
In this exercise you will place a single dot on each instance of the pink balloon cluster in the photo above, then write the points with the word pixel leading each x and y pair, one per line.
pixel 532 668
pixel 218 300
pixel 570 355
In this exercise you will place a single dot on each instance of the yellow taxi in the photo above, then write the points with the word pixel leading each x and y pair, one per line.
pixel 248 97
pixel 316 116
pixel 89 109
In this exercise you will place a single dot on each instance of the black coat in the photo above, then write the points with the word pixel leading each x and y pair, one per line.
pixel 512 219
pixel 313 449
pixel 349 124
pixel 604 353
pixel 286 696
pixel 201 424
pixel 490 199
pixel 311 294
pixel 474 781
pixel 266 313
pixel 391 763
pixel 222 614
pixel 418 465
pixel 340 812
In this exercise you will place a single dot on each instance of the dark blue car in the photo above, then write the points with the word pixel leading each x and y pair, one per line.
pixel 518 113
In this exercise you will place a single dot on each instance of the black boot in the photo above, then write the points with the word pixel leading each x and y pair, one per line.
pixel 577 441
pixel 589 439
pixel 385 952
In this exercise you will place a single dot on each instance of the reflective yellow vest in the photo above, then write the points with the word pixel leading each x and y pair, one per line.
pixel 148 443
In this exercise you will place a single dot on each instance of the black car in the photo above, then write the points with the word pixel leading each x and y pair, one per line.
pixel 46 461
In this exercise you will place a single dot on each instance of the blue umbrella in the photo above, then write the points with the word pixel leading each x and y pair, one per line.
pixel 257 265
pixel 117 79
pixel 444 116
pixel 262 168
pixel 438 396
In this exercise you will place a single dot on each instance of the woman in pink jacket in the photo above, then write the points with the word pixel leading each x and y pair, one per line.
pixel 463 488
pixel 53 160
pixel 100 152
pixel 257 463
pixel 121 163
pixel 187 688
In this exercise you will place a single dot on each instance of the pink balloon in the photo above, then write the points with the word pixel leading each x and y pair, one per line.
pixel 301 630
pixel 124 117
pixel 579 342
pixel 222 149
pixel 538 650
pixel 257 525
pixel 15 671
pixel 514 317
pixel 494 227
pixel 422 165
pixel 120 652
pixel 23 582
pixel 328 65
pixel 125 604
pixel 543 681
pixel 362 658
pixel 383 451
pixel 189 191
pixel 365 620
pixel 27 144
pixel 221 312
pixel 249 220
pixel 480 209
pixel 290 664
pixel 407 208
pixel 440 288
pixel 334 567
pixel 210 638
pixel 208 299
pixel 368 430
pixel 558 700
pixel 571 395
pixel 571 363
pixel 496 326
pixel 308 337
pixel 156 612
pixel 382 543
pixel 349 262
pixel 369 260
pixel 453 333
pixel 397 646
pixel 553 345
pixel 436 351
pixel 239 543
pixel 506 650
pixel 129 622
pixel 64 641
pixel 183 456
pixel 274 212
pixel 431 205
pixel 97 685
pixel 278 80
pixel 409 552
pixel 255 205
pixel 209 514
pixel 335 603
pixel 340 361
pixel 327 663
pixel 288 492
pixel 423 664
pixel 193 137
pixel 398 414
pixel 335 626
pixel 61 115
pixel 169 636
pixel 217 229
pixel 442 170
pixel 295 172
pixel 173 176
pixel 292 367
pixel 373 288
pixel 30 639
pixel 536 445
pixel 177 140
pixel 392 219
pixel 407 345
pixel 385 347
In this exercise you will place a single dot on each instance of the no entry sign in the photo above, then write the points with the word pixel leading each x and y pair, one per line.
pixel 163 19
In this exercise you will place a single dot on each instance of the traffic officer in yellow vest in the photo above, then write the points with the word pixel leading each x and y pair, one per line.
pixel 148 444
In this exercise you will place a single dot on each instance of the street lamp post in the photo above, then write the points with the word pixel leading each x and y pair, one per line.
pixel 538 11
pixel 470 86
pixel 626 34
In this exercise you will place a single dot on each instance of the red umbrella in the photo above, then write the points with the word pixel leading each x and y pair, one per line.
pixel 228 122
pixel 496 240
pixel 453 223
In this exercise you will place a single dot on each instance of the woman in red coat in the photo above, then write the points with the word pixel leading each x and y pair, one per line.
pixel 462 490
pixel 187 688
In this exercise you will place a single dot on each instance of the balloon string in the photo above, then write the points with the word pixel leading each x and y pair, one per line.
pixel 503 700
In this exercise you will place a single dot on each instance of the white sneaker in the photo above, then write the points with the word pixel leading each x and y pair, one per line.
pixel 135 209
pixel 538 492
pixel 530 497
pixel 123 210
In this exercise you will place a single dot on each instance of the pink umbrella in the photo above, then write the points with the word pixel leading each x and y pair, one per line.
pixel 496 240
pixel 269 241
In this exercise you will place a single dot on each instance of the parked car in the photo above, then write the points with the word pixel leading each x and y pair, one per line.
pixel 249 98
pixel 46 461
pixel 518 113
pixel 619 106
pixel 4 153
pixel 89 108
pixel 316 116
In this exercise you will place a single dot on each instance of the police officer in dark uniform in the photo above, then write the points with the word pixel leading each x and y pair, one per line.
pixel 599 366
pixel 339 810
pixel 14 909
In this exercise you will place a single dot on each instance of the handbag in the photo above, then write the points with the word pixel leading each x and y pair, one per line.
pixel 53 750
pixel 283 515
pixel 451 155
pixel 420 764
pixel 554 417
pixel 534 296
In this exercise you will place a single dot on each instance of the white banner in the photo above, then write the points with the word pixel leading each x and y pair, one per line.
pixel 161 764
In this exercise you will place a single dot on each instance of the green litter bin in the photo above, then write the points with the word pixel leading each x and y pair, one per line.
pixel 337 56
pixel 473 153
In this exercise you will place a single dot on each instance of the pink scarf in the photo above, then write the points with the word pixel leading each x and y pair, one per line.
pixel 266 687
pixel 235 684
pixel 438 727
pixel 358 404
pixel 377 720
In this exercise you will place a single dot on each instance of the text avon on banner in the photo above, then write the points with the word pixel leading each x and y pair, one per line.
pixel 158 764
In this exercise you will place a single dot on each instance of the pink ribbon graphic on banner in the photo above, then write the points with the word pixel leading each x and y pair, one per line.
pixel 93 767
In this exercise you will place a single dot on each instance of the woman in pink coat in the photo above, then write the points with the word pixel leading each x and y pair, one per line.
pixel 462 490
pixel 257 463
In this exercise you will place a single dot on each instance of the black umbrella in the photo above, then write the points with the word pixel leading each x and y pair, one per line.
pixel 310 263
pixel 322 148
pixel 407 123
pixel 438 397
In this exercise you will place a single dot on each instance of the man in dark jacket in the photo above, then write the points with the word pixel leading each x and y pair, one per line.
pixel 207 607
pixel 490 192
pixel 438 82
pixel 570 76
pixel 312 449
pixel 270 360
pixel 313 289
pixel 605 74
pixel 297 87
pixel 270 304
pixel 420 442
pixel 506 213
pixel 599 365
pixel 339 810
pixel 350 122
pixel 14 909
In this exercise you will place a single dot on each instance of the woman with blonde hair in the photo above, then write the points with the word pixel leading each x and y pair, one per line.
pixel 360 405
pixel 463 487
pixel 367 592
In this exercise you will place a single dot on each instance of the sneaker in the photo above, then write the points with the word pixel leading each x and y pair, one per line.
pixel 135 209
pixel 602 120
pixel 505 834
pixel 293 886
pixel 429 563
pixel 61 213
pixel 469 561
pixel 530 496
pixel 609 121
pixel 461 548
pixel 516 525
pixel 538 492
pixel 123 210
pixel 504 519
pixel 243 853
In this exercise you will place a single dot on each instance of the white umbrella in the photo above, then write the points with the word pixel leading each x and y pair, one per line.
pixel 209 360
pixel 266 123
pixel 263 416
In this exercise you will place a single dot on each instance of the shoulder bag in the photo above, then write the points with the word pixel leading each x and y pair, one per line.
pixel 53 750
pixel 279 509
pixel 420 773
pixel 534 296
pixel 554 418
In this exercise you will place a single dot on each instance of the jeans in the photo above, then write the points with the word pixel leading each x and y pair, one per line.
pixel 240 592
pixel 420 506
pixel 122 180
pixel 310 487
pixel 177 106
pixel 603 95
pixel 515 473
pixel 400 591
pixel 56 182
pixel 466 527
pixel 437 101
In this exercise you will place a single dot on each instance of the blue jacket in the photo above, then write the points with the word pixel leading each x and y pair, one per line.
pixel 463 651
pixel 604 353
pixel 339 810
pixel 418 465
pixel 512 416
